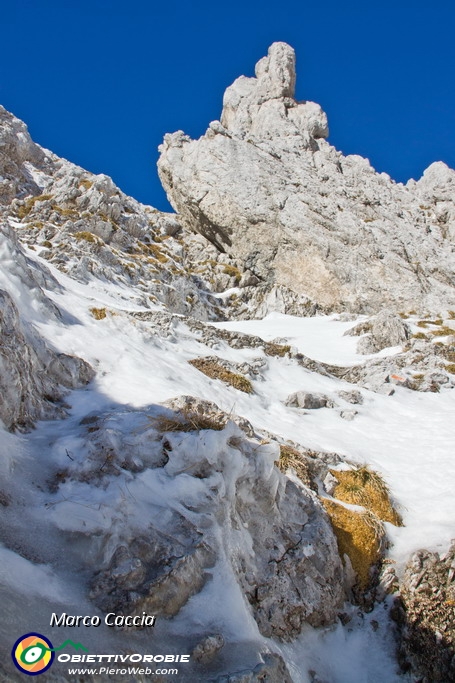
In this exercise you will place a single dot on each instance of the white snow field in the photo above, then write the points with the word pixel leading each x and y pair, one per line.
pixel 408 437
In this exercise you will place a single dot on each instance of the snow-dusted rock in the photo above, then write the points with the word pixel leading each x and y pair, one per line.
pixel 33 376
pixel 228 504
pixel 351 396
pixel 421 365
pixel 266 187
pixel 310 401
pixel 386 329
pixel 88 228
pixel 191 407
pixel 348 414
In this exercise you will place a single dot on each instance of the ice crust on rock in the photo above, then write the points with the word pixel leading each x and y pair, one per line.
pixel 265 187
pixel 225 502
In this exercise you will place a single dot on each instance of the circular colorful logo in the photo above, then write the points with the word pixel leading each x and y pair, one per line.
pixel 32 654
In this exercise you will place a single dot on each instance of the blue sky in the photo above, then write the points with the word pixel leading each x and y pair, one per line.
pixel 101 81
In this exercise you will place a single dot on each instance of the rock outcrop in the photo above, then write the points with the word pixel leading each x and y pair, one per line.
pixel 17 151
pixel 34 377
pixel 264 186
pixel 385 330
pixel 274 535
pixel 426 618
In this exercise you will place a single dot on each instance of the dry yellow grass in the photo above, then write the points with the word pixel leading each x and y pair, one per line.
pixel 359 536
pixel 25 209
pixel 86 236
pixel 98 313
pixel 367 488
pixel 443 331
pixel 290 457
pixel 232 271
pixel 154 251
pixel 189 421
pixel 215 370
pixel 280 350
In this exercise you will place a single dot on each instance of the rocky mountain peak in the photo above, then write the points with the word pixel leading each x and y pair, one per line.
pixel 264 107
pixel 264 186
pixel 276 72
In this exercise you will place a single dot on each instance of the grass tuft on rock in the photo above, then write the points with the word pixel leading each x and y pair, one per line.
pixel 359 536
pixel 443 331
pixel 292 458
pixel 215 370
pixel 233 271
pixel 367 488
pixel 86 236
pixel 189 421
pixel 279 350
pixel 29 203
pixel 98 313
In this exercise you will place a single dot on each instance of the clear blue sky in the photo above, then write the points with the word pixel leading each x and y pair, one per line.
pixel 101 81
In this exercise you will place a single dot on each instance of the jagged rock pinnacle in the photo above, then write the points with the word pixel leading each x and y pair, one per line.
pixel 265 105
pixel 265 186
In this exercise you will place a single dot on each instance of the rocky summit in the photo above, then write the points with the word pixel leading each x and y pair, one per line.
pixel 265 186
pixel 226 430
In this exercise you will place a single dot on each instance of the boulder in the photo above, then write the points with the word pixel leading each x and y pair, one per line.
pixel 307 400
pixel 386 329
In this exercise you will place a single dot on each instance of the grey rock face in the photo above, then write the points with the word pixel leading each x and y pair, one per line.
pixel 294 574
pixel 33 376
pixel 297 577
pixel 153 576
pixel 425 616
pixel 16 149
pixel 386 329
pixel 264 186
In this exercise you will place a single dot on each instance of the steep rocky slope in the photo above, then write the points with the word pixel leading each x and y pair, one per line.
pixel 195 460
pixel 265 186
pixel 89 229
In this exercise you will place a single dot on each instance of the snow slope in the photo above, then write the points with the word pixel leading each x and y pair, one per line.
pixel 141 363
